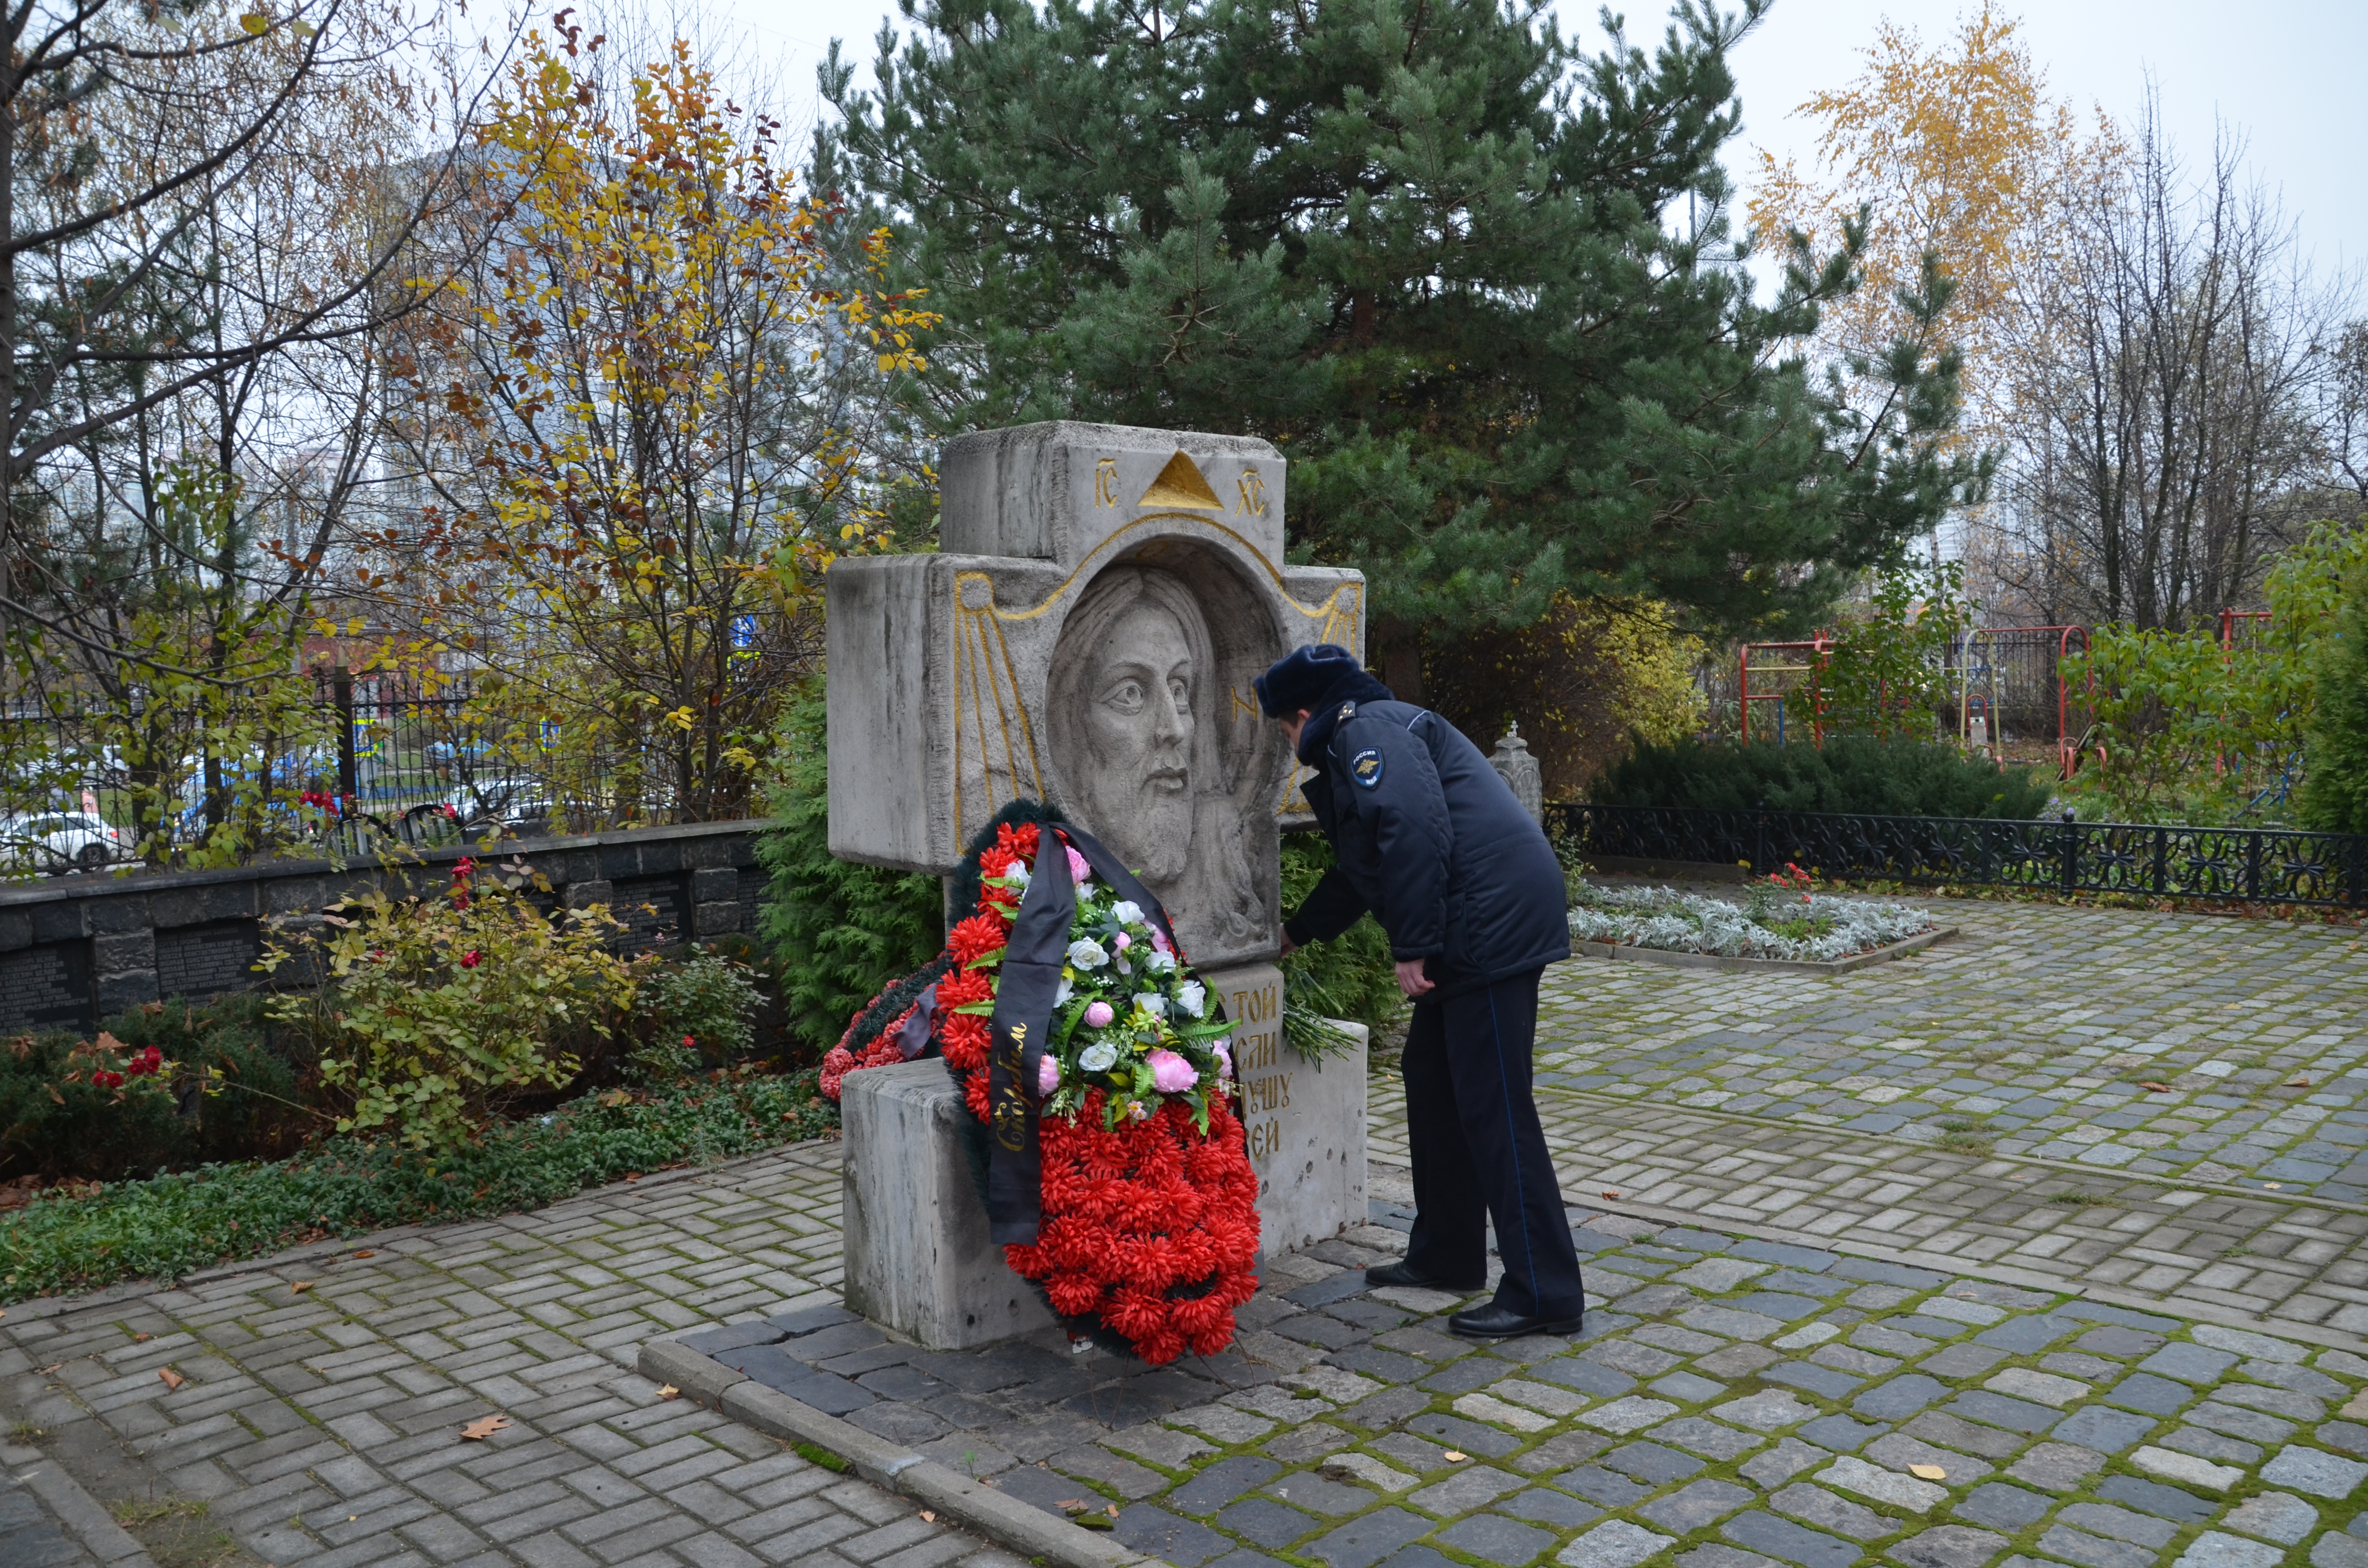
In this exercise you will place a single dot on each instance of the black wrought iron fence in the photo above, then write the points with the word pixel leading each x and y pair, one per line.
pixel 2252 865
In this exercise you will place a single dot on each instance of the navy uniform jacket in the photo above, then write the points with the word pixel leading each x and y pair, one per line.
pixel 1430 840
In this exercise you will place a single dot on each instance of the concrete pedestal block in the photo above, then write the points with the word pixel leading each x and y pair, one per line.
pixel 918 1262
pixel 1306 1124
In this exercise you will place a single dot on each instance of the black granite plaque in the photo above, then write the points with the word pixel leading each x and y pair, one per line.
pixel 651 909
pixel 203 961
pixel 47 987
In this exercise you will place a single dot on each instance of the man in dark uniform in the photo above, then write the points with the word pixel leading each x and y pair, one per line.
pixel 1432 842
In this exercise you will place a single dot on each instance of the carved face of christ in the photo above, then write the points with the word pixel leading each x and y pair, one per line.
pixel 1138 792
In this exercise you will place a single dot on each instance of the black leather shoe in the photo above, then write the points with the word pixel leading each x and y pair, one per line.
pixel 1404 1274
pixel 1493 1321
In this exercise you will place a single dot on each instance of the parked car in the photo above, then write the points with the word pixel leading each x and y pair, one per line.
pixel 59 841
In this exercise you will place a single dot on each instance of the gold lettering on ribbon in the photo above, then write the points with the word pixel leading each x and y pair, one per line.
pixel 1106 482
pixel 1010 1106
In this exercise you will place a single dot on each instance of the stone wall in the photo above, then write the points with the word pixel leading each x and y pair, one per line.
pixel 77 949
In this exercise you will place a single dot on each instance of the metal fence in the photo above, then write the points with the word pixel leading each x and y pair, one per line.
pixel 2250 865
pixel 366 759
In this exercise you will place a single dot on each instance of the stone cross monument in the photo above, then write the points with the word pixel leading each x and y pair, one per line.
pixel 1087 634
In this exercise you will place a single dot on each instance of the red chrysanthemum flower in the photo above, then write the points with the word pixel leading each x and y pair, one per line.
pixel 975 938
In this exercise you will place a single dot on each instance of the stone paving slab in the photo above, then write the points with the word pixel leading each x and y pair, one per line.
pixel 322 1425
pixel 1732 1402
pixel 2037 1027
pixel 2289 1264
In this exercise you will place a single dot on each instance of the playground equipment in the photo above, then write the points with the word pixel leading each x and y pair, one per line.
pixel 1771 668
pixel 2010 690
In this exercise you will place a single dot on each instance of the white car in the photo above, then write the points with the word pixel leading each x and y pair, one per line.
pixel 59 841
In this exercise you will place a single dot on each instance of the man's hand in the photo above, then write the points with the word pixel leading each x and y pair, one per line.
pixel 1411 980
pixel 1289 947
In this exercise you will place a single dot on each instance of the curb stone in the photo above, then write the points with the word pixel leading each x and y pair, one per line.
pixel 1626 953
pixel 1026 1529
pixel 76 1508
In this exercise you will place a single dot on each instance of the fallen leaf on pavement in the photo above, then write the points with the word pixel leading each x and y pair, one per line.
pixel 366 1253
pixel 1112 1510
pixel 2299 1083
pixel 484 1427
pixel 173 1380
pixel 301 1286
pixel 929 1515
pixel 1070 1503
pixel 1928 1472
pixel 1611 1192
pixel 1453 1458
pixel 141 1338
pixel 669 1392
pixel 2157 1088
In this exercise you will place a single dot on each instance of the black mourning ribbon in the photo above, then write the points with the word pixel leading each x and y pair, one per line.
pixel 1017 1034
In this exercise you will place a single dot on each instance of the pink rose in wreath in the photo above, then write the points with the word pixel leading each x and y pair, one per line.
pixel 1048 1075
pixel 1080 870
pixel 1171 1074
pixel 1099 1015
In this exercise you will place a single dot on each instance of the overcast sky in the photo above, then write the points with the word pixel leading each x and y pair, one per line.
pixel 2283 73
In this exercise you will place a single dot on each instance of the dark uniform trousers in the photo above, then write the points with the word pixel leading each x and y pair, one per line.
pixel 1478 1153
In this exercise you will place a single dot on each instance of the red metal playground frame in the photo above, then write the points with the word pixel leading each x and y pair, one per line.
pixel 1818 648
pixel 1975 665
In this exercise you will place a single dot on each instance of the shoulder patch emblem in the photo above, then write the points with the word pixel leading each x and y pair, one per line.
pixel 1365 768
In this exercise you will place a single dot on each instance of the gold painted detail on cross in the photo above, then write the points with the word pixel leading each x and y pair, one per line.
pixel 1252 487
pixel 992 731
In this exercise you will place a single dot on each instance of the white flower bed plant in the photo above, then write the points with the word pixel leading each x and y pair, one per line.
pixel 1821 928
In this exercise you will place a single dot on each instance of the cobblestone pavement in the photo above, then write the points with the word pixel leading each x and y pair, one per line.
pixel 1740 1403
pixel 2037 1028
pixel 323 1425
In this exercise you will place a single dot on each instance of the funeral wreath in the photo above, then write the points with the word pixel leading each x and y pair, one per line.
pixel 1099 1064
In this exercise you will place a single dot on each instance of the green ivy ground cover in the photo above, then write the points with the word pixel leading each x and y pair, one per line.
pixel 167 1225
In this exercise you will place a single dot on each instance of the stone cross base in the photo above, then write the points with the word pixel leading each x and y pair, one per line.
pixel 918 1260
pixel 1306 1124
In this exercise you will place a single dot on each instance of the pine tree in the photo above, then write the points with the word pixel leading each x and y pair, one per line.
pixel 1480 289
pixel 2335 780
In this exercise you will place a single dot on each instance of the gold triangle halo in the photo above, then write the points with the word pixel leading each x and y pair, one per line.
pixel 1179 485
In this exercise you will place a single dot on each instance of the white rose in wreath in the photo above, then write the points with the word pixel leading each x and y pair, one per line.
pixel 1085 953
pixel 1193 996
pixel 1098 1058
